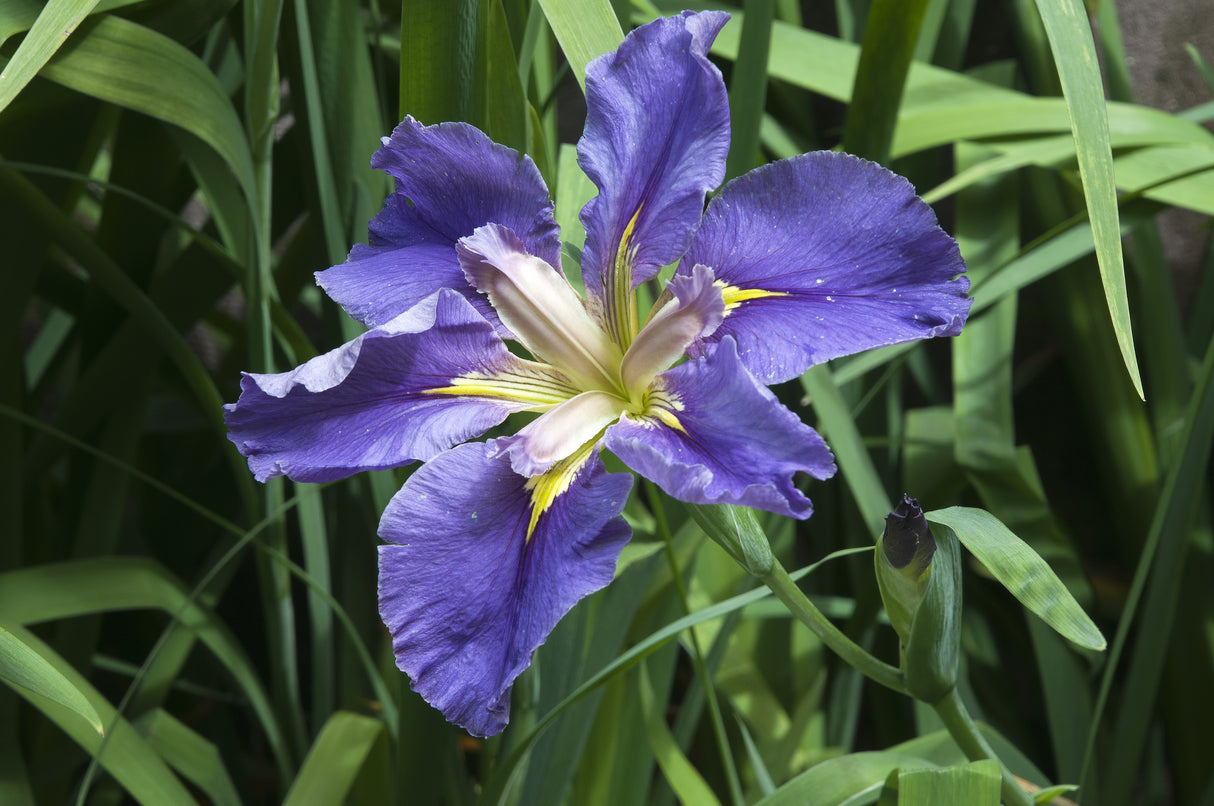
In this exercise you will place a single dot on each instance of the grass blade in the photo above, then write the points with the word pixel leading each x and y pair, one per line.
pixel 436 70
pixel 842 780
pixel 197 759
pixel 890 35
pixel 1075 57
pixel 975 784
pixel 585 29
pixel 126 755
pixel 54 25
pixel 748 88
pixel 335 760
pixel 21 666
pixel 689 786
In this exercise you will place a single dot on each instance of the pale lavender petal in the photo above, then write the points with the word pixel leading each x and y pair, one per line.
pixel 558 433
pixel 535 302
pixel 657 133
pixel 855 257
pixel 363 406
pixel 450 179
pixel 466 596
pixel 734 442
pixel 694 311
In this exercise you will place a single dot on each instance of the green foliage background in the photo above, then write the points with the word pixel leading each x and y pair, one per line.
pixel 173 171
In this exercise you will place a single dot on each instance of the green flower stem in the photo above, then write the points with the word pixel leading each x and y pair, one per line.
pixel 965 733
pixel 853 654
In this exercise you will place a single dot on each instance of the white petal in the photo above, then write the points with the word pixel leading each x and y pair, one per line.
pixel 559 432
pixel 539 306
pixel 696 312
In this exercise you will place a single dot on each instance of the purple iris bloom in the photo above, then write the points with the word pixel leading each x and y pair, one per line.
pixel 489 544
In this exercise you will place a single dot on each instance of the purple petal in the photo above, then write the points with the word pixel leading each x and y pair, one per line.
pixel 450 179
pixel 735 443
pixel 466 596
pixel 657 132
pixel 363 406
pixel 856 258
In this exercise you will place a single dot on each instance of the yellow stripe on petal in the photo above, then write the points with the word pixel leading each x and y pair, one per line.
pixel 735 296
pixel 547 487
pixel 533 386
pixel 620 302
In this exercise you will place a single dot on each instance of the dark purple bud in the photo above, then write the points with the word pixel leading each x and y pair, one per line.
pixel 907 542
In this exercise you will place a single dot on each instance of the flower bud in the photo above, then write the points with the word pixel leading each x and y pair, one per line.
pixel 904 563
pixel 736 530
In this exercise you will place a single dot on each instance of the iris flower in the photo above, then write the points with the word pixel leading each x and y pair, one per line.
pixel 488 544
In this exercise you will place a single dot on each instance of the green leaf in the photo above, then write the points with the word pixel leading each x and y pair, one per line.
pixel 1049 793
pixel 507 117
pixel 1075 56
pixel 941 749
pixel 890 34
pixel 54 25
pixel 334 762
pixel 436 63
pixel 1022 571
pixel 748 88
pixel 22 666
pixel 688 785
pixel 63 590
pixel 585 29
pixel 975 784
pixel 127 757
pixel 115 60
pixel 190 754
pixel 842 780
pixel 573 190
pixel 838 425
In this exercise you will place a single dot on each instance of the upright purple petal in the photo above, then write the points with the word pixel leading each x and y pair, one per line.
pixel 466 596
pixel 855 260
pixel 363 406
pixel 450 179
pixel 730 442
pixel 657 132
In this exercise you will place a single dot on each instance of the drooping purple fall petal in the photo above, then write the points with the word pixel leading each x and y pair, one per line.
pixel 467 596
pixel 364 406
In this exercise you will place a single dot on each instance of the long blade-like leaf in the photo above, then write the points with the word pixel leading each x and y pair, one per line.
pixel 21 666
pixel 1075 56
pixel 54 25
pixel 1022 571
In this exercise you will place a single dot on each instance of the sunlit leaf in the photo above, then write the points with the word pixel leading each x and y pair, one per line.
pixel 1070 37
pixel 585 29
pixel 975 784
pixel 842 780
pixel 335 760
pixel 1022 571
